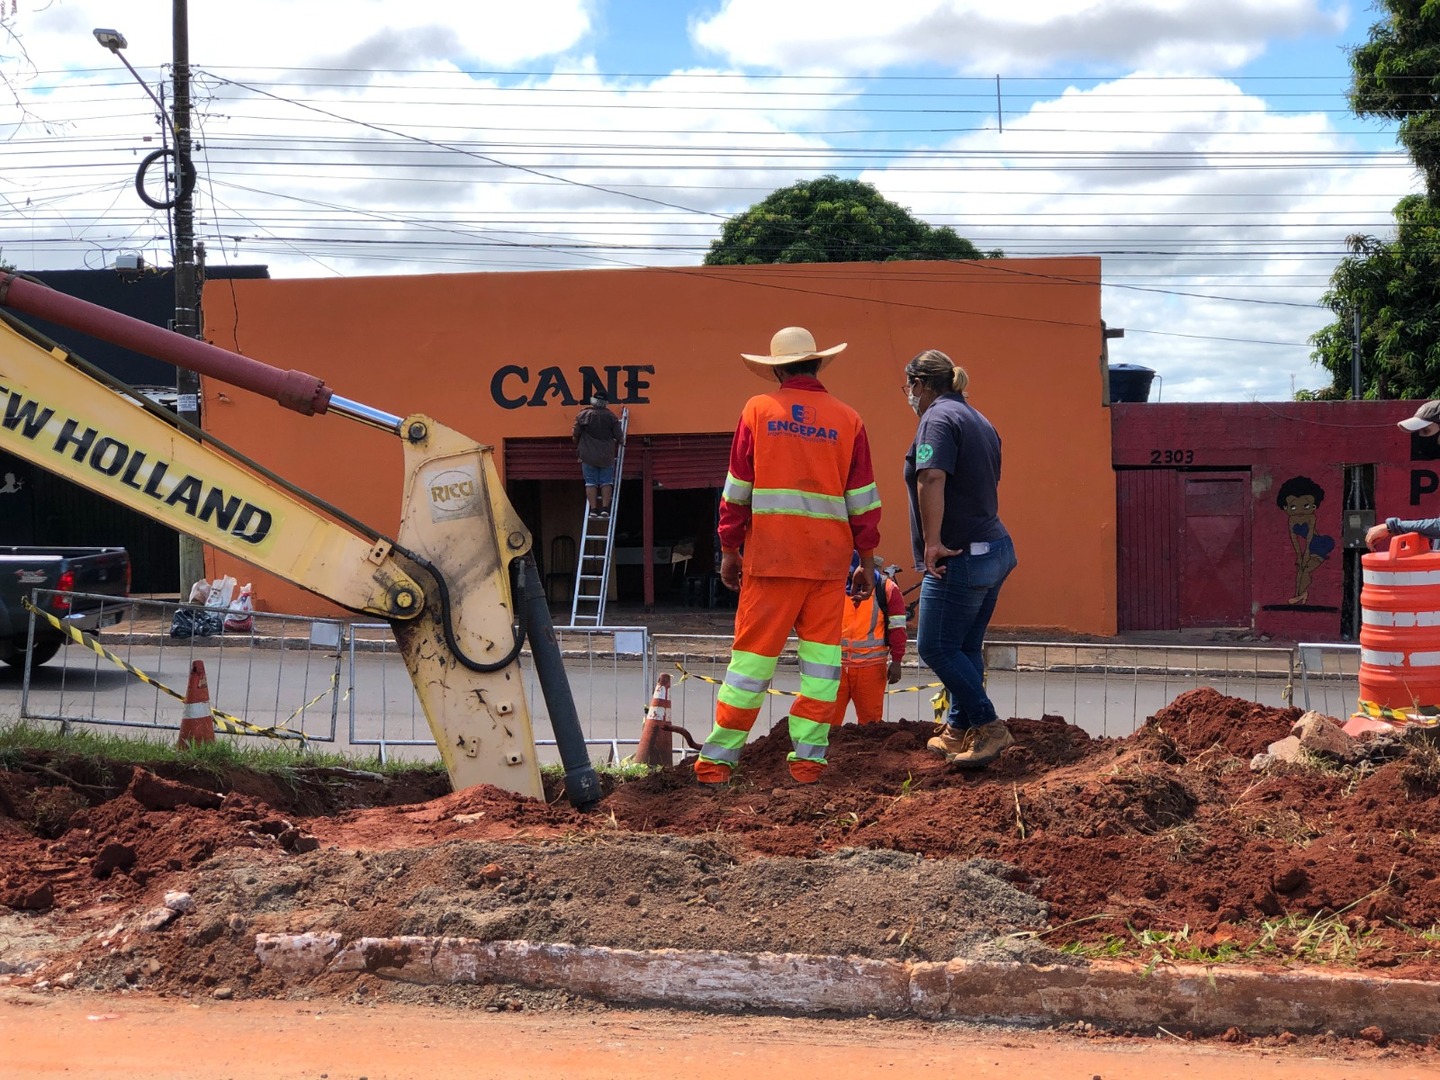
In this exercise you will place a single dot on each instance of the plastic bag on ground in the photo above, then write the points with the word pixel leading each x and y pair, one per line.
pixel 222 589
pixel 188 622
pixel 238 619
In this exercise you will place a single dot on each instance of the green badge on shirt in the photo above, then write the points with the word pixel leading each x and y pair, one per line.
pixel 923 453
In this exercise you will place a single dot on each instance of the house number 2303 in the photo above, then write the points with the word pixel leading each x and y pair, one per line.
pixel 1172 457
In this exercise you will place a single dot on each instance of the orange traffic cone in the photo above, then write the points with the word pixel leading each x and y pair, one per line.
pixel 657 741
pixel 197 725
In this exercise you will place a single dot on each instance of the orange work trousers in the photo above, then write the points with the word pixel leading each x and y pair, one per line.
pixel 768 610
pixel 864 684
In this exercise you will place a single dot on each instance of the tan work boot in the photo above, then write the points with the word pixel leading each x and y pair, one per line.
pixel 989 741
pixel 951 742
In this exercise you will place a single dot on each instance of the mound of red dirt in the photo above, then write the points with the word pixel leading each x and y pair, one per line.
pixel 894 853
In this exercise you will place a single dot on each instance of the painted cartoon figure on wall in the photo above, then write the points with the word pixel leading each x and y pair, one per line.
pixel 1300 498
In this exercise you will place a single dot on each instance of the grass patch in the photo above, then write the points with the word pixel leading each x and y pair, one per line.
pixel 1160 946
pixel 1280 824
pixel 269 757
pixel 1421 770
pixel 1325 937
pixel 619 771
pixel 223 754
pixel 1319 939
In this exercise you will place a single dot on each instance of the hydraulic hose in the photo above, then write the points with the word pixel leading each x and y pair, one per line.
pixel 582 786
pixel 447 623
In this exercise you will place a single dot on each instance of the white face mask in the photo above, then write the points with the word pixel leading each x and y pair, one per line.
pixel 914 402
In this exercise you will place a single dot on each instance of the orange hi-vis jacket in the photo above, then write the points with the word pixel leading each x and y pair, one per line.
pixel 873 631
pixel 800 496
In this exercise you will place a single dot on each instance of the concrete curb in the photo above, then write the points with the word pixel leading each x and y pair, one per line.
pixel 1189 998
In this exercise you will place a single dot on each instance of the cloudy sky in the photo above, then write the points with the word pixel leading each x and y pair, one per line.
pixel 1201 148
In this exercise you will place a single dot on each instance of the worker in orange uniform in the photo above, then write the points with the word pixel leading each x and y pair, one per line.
pixel 872 644
pixel 799 499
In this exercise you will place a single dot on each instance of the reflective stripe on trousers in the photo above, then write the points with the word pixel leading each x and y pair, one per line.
pixel 769 609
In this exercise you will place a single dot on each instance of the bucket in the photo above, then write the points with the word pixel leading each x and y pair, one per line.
pixel 1400 629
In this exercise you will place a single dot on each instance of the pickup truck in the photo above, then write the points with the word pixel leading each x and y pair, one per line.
pixel 102 575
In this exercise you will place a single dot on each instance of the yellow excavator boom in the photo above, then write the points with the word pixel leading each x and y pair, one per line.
pixel 458 585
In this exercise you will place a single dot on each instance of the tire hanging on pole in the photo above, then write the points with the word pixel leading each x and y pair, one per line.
pixel 186 184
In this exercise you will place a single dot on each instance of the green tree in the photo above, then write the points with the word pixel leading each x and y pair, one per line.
pixel 832 220
pixel 1394 284
pixel 1396 76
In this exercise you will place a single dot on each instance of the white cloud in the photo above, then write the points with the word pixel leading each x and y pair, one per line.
pixel 281 33
pixel 982 37
pixel 417 169
pixel 1178 218
pixel 405 164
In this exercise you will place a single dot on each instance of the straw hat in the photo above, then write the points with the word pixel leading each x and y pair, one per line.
pixel 790 346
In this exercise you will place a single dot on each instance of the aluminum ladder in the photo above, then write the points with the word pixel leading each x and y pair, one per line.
pixel 597 541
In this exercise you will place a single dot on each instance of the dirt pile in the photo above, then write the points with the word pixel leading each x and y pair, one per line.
pixel 1166 840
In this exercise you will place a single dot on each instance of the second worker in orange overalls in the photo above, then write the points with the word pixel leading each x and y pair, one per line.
pixel 872 644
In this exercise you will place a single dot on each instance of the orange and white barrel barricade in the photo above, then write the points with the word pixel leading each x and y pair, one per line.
pixel 1400 633
pixel 197 723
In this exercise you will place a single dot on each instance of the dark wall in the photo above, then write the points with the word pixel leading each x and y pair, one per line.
pixel 41 509
pixel 148 296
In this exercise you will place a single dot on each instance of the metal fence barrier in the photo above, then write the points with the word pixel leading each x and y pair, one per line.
pixel 1106 689
pixel 295 689
pixel 1110 690
pixel 296 673
pixel 610 676
pixel 1329 677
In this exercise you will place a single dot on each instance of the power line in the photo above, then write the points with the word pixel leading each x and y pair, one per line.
pixel 606 237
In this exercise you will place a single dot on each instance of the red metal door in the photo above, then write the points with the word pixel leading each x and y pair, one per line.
pixel 1148 528
pixel 1215 550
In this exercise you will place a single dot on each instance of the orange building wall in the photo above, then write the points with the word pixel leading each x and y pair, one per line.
pixel 1028 332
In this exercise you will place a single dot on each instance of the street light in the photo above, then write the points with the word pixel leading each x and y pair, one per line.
pixel 187 281
pixel 111 39
pixel 114 40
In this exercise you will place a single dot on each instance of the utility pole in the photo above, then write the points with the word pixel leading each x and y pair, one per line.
pixel 1359 507
pixel 187 282
pixel 1355 393
pixel 182 235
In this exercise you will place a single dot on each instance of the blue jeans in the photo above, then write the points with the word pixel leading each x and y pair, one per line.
pixel 597 475
pixel 955 612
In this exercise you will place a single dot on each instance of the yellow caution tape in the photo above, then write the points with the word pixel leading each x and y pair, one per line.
pixel 334 679
pixel 684 674
pixel 1420 715
pixel 940 703
pixel 232 725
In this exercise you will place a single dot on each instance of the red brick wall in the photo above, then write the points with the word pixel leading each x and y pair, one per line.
pixel 1276 442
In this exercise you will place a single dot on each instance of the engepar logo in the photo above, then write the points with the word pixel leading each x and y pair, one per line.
pixel 923 453
pixel 805 423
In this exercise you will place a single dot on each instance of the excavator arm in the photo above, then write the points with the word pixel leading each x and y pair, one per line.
pixel 457 585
